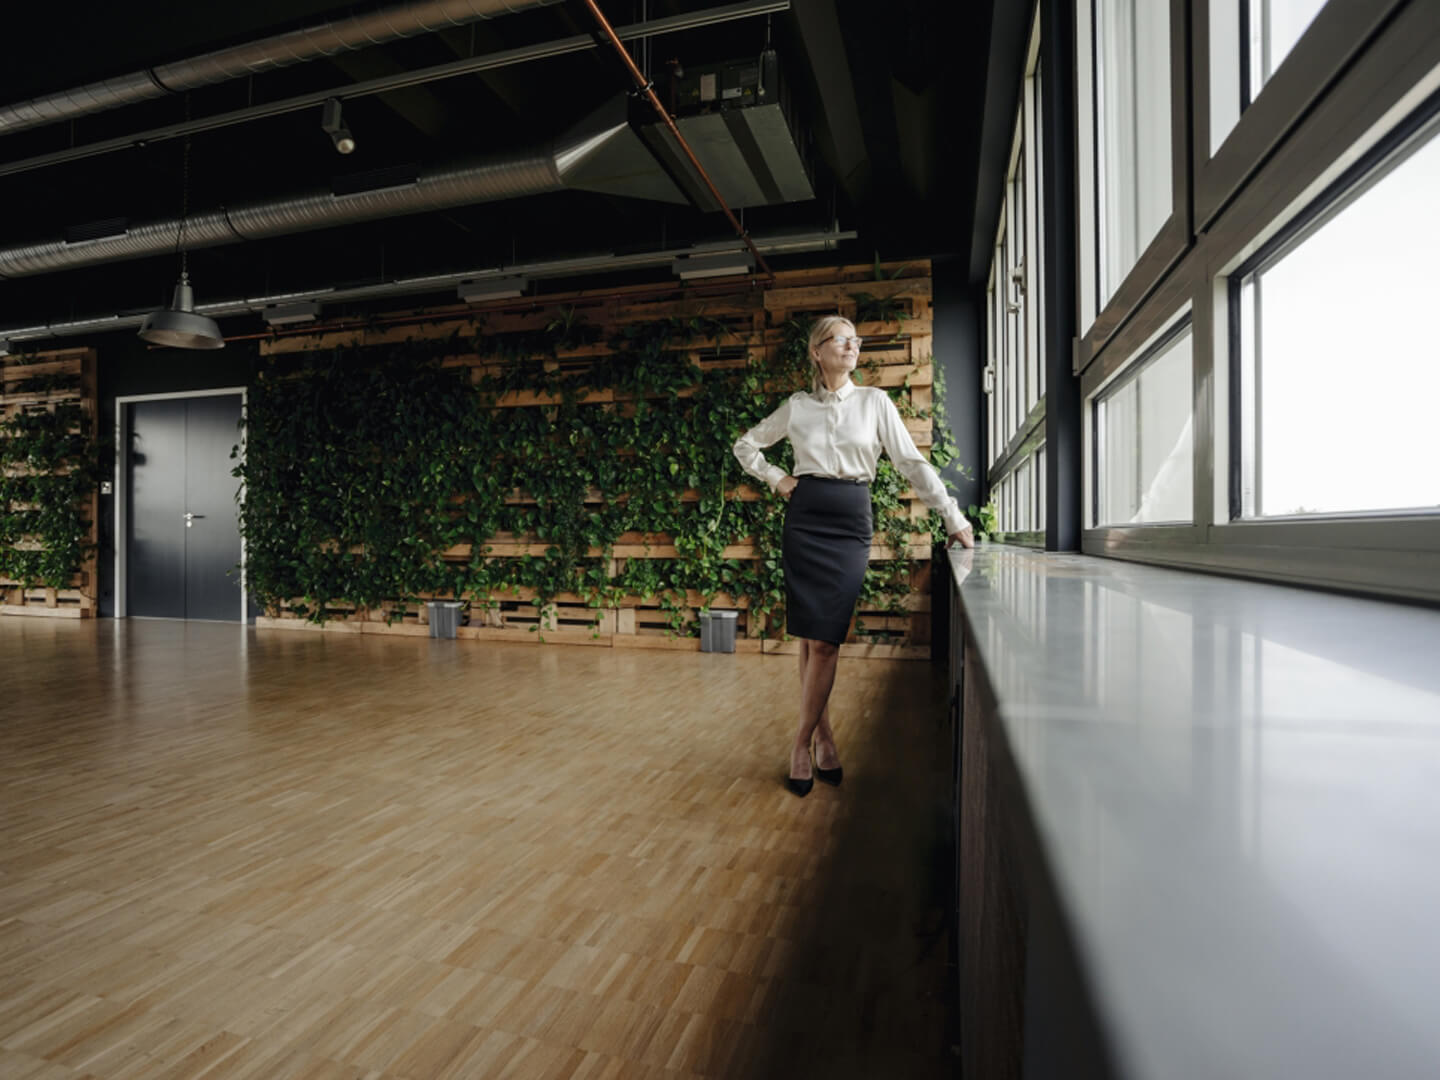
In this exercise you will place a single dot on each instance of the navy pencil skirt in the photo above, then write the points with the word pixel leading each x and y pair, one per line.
pixel 826 550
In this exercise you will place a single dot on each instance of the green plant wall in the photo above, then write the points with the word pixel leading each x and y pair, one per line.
pixel 49 465
pixel 361 467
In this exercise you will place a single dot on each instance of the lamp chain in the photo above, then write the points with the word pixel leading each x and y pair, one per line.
pixel 184 202
pixel 184 212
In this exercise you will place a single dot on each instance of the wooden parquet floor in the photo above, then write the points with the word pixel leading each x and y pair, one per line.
pixel 236 854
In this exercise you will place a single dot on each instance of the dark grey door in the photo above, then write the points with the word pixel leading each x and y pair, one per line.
pixel 184 531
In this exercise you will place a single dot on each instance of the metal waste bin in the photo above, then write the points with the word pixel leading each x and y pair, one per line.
pixel 444 616
pixel 717 631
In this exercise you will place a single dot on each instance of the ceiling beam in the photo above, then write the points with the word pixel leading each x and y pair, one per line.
pixel 841 135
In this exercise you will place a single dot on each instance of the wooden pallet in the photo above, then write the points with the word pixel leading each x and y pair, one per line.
pixel 45 603
pixel 74 372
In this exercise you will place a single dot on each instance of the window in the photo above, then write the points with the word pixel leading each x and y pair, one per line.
pixel 1040 515
pixel 1024 503
pixel 1338 370
pixel 1248 40
pixel 1015 334
pixel 1288 436
pixel 1143 437
pixel 1132 156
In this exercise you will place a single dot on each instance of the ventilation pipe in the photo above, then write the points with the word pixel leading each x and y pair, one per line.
pixel 777 244
pixel 255 57
pixel 601 154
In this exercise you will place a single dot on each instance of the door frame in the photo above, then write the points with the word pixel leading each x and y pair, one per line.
pixel 122 489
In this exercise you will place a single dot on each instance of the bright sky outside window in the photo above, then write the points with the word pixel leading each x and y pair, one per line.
pixel 1343 362
pixel 1132 108
pixel 1249 39
pixel 1144 431
pixel 1275 27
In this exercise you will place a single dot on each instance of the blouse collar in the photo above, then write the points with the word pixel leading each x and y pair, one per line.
pixel 825 396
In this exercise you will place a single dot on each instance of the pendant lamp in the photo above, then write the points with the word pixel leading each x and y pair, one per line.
pixel 179 326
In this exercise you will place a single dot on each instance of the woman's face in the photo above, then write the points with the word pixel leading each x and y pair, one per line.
pixel 838 354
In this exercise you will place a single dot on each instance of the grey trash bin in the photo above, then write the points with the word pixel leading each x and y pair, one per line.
pixel 444 616
pixel 717 631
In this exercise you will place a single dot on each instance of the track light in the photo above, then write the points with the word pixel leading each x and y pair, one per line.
pixel 334 125
pixel 290 314
pixel 724 264
pixel 505 288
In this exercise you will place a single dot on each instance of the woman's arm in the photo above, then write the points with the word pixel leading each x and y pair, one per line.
pixel 766 433
pixel 921 474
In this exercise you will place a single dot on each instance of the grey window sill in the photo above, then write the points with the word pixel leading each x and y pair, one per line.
pixel 1235 790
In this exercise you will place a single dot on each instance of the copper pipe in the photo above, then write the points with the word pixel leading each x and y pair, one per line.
pixel 648 88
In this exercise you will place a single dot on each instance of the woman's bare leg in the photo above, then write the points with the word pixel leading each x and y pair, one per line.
pixel 826 754
pixel 819 659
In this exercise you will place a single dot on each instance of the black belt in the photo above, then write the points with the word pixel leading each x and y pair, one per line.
pixel 833 479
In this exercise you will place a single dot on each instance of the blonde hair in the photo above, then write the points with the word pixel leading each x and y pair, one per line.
pixel 821 332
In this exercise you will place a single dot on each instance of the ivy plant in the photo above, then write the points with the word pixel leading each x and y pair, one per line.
pixel 361 469
pixel 49 465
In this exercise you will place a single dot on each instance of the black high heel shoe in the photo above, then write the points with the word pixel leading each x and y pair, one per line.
pixel 830 776
pixel 800 787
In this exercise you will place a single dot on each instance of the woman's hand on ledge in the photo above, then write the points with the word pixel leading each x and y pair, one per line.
pixel 965 537
pixel 786 486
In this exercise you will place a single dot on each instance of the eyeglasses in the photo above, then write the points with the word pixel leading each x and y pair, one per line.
pixel 843 339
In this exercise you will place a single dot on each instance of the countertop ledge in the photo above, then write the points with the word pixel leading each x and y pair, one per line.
pixel 1235 787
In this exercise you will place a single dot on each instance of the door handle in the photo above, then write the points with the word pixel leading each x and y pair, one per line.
pixel 190 520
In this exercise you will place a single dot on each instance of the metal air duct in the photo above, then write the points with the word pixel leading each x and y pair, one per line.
pixel 781 243
pixel 600 154
pixel 255 57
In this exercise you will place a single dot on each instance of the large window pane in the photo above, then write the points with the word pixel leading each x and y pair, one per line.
pixel 1132 109
pixel 1341 367
pixel 1037 278
pixel 992 398
pixel 1143 434
pixel 1040 489
pixel 1023 504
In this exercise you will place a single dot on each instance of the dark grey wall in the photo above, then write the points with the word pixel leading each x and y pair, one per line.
pixel 1063 417
pixel 129 366
pixel 959 353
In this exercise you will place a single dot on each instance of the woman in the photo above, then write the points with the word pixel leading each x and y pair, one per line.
pixel 837 430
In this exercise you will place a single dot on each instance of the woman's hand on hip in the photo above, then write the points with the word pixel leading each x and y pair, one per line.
pixel 965 537
pixel 786 486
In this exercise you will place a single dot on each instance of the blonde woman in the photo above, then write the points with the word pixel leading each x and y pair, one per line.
pixel 837 430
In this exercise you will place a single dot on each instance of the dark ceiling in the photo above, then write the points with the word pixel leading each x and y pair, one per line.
pixel 892 93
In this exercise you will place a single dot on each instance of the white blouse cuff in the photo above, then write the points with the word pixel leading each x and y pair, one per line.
pixel 955 521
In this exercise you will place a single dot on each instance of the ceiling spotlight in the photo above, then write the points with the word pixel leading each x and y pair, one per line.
pixel 289 314
pixel 503 288
pixel 723 264
pixel 334 125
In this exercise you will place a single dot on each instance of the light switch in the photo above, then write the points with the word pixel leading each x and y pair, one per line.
pixel 107 487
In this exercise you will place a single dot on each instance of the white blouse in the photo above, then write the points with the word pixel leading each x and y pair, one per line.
pixel 839 434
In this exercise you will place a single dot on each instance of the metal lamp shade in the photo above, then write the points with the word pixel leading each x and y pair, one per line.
pixel 179 327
